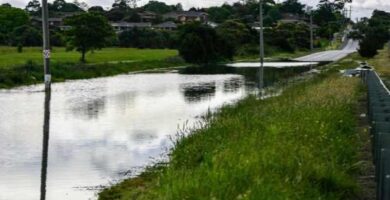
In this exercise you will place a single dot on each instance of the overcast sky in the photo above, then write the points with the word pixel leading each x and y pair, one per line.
pixel 360 8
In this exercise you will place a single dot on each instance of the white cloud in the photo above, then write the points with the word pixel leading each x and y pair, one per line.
pixel 361 8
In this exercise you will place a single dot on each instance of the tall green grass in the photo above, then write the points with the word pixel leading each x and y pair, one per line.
pixel 300 145
pixel 9 57
pixel 381 63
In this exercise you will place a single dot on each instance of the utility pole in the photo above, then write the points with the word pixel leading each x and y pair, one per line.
pixel 47 77
pixel 46 44
pixel 261 70
pixel 310 11
pixel 311 32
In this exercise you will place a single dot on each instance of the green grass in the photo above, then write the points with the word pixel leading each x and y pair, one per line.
pixel 26 68
pixel 9 57
pixel 275 56
pixel 381 63
pixel 300 145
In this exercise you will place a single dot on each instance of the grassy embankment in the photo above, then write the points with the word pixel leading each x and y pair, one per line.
pixel 381 63
pixel 301 145
pixel 26 68
pixel 273 55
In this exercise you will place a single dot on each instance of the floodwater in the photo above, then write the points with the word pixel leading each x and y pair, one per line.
pixel 101 128
pixel 274 64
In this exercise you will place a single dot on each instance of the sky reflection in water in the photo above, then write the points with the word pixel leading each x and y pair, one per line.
pixel 99 128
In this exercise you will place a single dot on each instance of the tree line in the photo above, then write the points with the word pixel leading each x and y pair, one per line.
pixel 373 33
pixel 197 42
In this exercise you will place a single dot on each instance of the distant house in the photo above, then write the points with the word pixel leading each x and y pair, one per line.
pixel 125 26
pixel 169 25
pixel 147 16
pixel 55 22
pixel 292 18
pixel 187 16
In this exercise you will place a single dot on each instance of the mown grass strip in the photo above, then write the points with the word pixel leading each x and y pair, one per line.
pixel 300 145
pixel 26 68
pixel 9 57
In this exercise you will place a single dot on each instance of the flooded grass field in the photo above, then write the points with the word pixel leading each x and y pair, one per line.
pixel 101 128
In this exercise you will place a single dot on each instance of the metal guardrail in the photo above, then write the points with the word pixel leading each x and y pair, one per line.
pixel 379 116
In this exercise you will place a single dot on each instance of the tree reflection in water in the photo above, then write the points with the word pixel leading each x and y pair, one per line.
pixel 198 92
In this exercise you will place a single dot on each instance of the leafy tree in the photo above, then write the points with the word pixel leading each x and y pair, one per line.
pixel 121 4
pixel 157 7
pixel 292 6
pixel 34 7
pixel 3 39
pixel 147 38
pixel 178 7
pixel 6 5
pixel 10 18
pixel 63 6
pixel 368 47
pixel 374 33
pixel 219 14
pixel 200 44
pixel 248 10
pixel 329 18
pixel 58 5
pixel 56 38
pixel 289 36
pixel 132 16
pixel 96 9
pixel 324 14
pixel 272 17
pixel 125 4
pixel 335 4
pixel 88 32
pixel 234 32
pixel 26 36
pixel 379 18
pixel 116 14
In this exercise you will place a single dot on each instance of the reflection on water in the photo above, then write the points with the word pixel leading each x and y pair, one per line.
pixel 102 127
pixel 90 109
pixel 232 85
pixel 45 142
pixel 197 92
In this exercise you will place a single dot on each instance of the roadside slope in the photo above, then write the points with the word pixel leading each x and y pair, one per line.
pixel 301 145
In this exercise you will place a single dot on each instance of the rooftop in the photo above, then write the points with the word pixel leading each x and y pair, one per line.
pixel 168 24
pixel 131 24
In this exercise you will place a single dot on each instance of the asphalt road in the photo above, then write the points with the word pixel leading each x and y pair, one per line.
pixel 330 56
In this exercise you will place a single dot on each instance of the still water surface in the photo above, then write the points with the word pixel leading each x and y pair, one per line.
pixel 100 128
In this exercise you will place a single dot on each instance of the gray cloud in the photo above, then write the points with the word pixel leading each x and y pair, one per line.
pixel 361 8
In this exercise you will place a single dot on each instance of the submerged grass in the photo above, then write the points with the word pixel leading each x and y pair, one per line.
pixel 300 145
pixel 32 73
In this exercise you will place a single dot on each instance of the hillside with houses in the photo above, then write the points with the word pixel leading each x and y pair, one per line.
pixel 160 22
